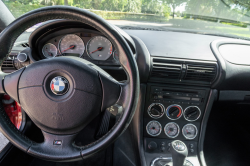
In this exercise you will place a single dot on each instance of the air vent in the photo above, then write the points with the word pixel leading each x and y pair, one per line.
pixel 205 73
pixel 163 70
pixel 8 64
pixel 25 44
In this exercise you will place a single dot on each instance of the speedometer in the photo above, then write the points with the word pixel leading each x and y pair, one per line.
pixel 99 48
pixel 71 45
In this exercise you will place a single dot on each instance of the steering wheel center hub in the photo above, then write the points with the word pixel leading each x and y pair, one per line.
pixel 70 94
pixel 59 85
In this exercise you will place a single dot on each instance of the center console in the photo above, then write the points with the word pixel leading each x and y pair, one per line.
pixel 172 113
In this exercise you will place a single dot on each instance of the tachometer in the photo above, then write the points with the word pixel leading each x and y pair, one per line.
pixel 49 50
pixel 71 45
pixel 99 48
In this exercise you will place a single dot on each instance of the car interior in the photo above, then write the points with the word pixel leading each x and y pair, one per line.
pixel 87 92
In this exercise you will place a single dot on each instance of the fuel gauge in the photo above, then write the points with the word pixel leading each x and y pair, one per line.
pixel 189 131
pixel 49 50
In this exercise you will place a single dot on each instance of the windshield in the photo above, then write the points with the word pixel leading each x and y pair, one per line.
pixel 217 17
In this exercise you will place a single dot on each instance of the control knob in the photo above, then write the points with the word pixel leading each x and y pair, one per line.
pixel 192 113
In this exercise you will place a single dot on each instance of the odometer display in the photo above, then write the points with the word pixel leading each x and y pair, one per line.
pixel 99 48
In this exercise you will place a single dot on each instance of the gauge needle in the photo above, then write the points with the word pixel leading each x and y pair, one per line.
pixel 50 54
pixel 96 50
pixel 73 46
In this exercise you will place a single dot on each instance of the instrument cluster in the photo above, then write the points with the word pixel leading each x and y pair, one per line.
pixel 90 46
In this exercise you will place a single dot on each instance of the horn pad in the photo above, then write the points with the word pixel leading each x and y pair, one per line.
pixel 60 95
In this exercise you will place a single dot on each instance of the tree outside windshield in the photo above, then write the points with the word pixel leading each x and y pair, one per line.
pixel 218 17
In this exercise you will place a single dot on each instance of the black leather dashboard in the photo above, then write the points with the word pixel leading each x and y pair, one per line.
pixel 177 44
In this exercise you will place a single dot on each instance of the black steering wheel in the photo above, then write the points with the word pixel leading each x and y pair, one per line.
pixel 62 95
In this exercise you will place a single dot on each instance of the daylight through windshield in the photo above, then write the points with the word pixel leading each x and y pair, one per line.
pixel 218 17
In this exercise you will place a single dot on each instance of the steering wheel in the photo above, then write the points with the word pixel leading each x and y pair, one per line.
pixel 62 95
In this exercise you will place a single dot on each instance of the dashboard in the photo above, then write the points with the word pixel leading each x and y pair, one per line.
pixel 178 71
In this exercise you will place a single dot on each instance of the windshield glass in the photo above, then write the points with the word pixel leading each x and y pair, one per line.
pixel 217 17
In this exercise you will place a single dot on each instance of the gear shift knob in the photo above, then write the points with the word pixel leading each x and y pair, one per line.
pixel 179 152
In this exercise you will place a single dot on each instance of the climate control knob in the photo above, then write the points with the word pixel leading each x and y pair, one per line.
pixel 156 110
pixel 174 112
pixel 192 113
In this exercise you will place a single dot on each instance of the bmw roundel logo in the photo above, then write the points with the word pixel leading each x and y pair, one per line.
pixel 59 85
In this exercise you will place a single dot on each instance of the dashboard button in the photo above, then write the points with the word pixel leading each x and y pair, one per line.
pixel 155 96
pixel 187 94
pixel 185 102
pixel 152 145
pixel 167 93
pixel 195 103
pixel 156 89
pixel 163 149
pixel 22 57
pixel 168 101
pixel 179 94
pixel 163 143
pixel 196 96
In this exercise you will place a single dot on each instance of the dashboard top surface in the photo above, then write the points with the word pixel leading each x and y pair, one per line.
pixel 177 44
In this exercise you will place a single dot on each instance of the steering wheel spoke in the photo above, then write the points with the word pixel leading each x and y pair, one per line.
pixel 57 147
pixel 111 90
pixel 10 84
